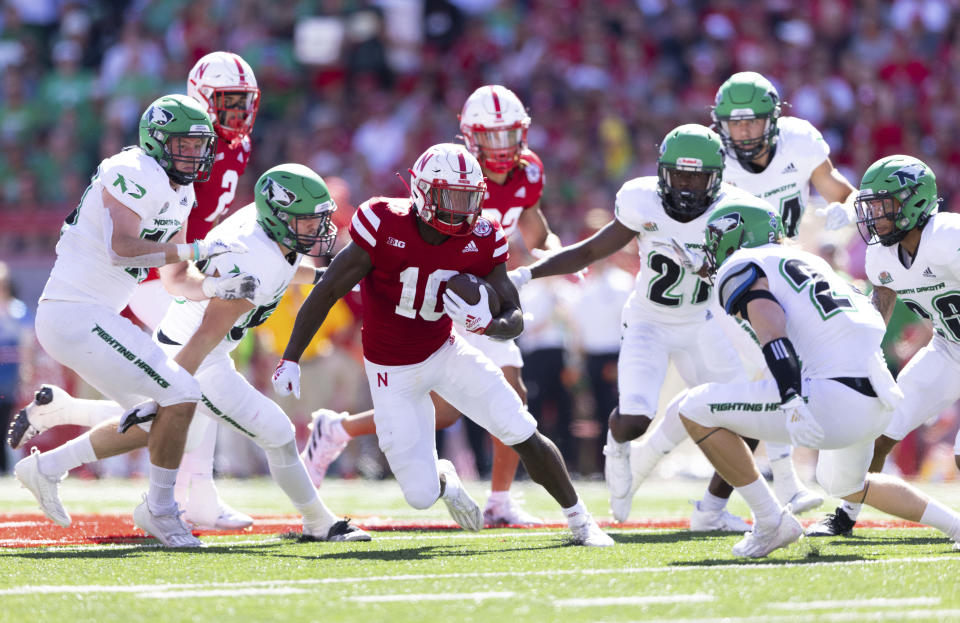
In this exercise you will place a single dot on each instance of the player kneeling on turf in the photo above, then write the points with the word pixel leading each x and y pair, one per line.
pixel 841 399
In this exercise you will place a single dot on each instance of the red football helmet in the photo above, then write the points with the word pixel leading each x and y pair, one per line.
pixel 494 126
pixel 447 188
pixel 217 76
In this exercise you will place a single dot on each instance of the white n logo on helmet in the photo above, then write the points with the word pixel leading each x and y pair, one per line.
pixel 911 172
pixel 277 194
pixel 727 222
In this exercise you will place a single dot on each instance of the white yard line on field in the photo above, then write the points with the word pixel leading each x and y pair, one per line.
pixel 878 602
pixel 944 614
pixel 638 600
pixel 432 597
pixel 222 592
pixel 740 567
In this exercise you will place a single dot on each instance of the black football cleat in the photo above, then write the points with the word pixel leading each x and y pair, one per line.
pixel 21 429
pixel 837 523
pixel 340 531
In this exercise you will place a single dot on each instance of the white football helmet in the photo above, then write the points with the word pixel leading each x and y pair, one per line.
pixel 213 77
pixel 447 188
pixel 494 126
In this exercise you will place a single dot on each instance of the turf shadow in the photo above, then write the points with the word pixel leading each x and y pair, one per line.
pixel 147 547
pixel 423 552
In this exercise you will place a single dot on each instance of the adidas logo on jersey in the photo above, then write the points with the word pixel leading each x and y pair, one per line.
pixel 521 192
pixel 471 247
pixel 791 168
pixel 929 273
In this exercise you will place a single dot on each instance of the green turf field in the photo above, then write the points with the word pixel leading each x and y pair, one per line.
pixel 508 576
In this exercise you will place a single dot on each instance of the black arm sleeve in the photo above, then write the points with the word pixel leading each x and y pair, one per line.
pixel 785 366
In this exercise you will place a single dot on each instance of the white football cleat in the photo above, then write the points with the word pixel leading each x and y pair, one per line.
pixel 340 532
pixel 508 513
pixel 204 509
pixel 45 488
pixel 620 507
pixel 464 510
pixel 224 517
pixel 616 467
pixel 589 534
pixel 716 521
pixel 49 404
pixel 321 450
pixel 804 500
pixel 956 546
pixel 169 529
pixel 761 541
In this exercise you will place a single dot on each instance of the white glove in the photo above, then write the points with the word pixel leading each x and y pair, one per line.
pixel 803 428
pixel 205 249
pixel 474 318
pixel 690 259
pixel 230 287
pixel 286 378
pixel 520 277
pixel 836 215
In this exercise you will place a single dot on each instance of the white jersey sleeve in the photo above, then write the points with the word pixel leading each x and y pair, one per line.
pixel 263 259
pixel 84 271
pixel 632 203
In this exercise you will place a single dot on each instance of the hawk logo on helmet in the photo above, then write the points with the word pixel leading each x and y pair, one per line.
pixel 277 194
pixel 911 172
pixel 160 116
pixel 728 222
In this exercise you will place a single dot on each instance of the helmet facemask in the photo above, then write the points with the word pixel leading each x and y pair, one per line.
pixel 233 111
pixel 312 234
pixel 451 209
pixel 174 152
pixel 749 149
pixel 687 190
pixel 497 148
pixel 874 207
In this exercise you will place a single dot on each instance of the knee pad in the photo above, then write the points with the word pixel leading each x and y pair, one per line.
pixel 283 455
pixel 422 495
pixel 837 484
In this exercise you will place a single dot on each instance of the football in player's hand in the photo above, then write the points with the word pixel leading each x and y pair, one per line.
pixel 467 287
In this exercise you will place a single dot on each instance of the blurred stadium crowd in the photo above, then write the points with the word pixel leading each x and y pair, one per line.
pixel 356 89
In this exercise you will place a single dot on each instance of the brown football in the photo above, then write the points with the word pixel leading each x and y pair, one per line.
pixel 467 287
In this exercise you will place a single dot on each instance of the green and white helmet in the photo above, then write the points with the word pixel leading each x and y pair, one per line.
pixel 289 195
pixel 690 169
pixel 740 223
pixel 178 116
pixel 747 95
pixel 899 188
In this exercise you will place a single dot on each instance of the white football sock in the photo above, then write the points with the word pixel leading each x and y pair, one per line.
pixel 498 497
pixel 93 412
pixel 786 482
pixel 760 498
pixel 62 459
pixel 668 434
pixel 289 472
pixel 577 514
pixel 710 502
pixel 160 498
pixel 196 464
pixel 852 510
pixel 942 518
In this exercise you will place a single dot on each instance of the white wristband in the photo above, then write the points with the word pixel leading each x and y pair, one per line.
pixel 185 252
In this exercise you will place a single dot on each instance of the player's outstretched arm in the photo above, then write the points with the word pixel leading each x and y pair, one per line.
pixel 345 271
pixel 508 324
pixel 884 299
pixel 218 318
pixel 613 237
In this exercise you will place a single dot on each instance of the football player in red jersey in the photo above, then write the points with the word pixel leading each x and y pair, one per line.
pixel 225 84
pixel 402 252
pixel 494 125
